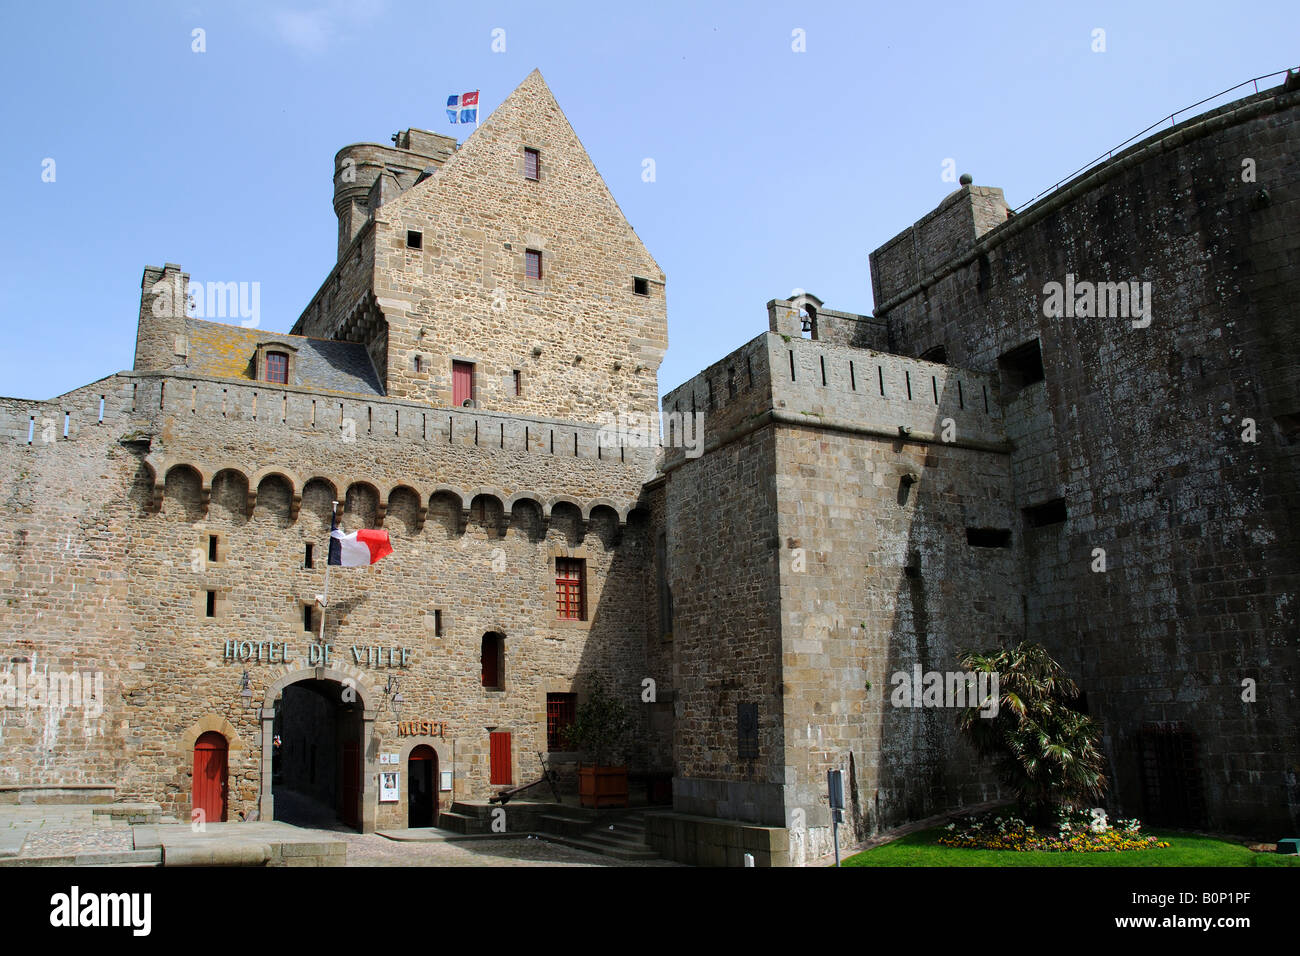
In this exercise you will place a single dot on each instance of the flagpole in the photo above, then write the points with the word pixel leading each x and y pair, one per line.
pixel 324 598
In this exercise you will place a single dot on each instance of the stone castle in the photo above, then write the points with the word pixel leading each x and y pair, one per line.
pixel 867 495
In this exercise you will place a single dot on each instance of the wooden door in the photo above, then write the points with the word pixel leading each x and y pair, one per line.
pixel 351 795
pixel 210 785
pixel 462 383
pixel 500 771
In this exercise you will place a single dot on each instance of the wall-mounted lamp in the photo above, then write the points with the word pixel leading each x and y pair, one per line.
pixel 393 691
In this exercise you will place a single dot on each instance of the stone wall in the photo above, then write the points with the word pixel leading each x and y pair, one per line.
pixel 107 567
pixel 583 341
pixel 1140 430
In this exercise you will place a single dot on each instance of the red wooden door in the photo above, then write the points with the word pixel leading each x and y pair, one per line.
pixel 351 809
pixel 499 753
pixel 210 787
pixel 462 383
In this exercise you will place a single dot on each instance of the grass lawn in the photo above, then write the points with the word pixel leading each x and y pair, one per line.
pixel 1185 849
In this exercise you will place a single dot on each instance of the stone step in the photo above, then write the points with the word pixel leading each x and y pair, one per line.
pixel 460 823
pixel 566 826
pixel 630 853
pixel 614 838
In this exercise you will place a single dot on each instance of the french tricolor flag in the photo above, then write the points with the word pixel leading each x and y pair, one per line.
pixel 463 108
pixel 359 548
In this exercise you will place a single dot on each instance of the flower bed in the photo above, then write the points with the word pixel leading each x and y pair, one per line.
pixel 1077 831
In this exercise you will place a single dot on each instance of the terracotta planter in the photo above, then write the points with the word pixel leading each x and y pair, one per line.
pixel 601 787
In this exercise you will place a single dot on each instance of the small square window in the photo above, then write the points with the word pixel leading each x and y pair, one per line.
pixel 1021 367
pixel 533 259
pixel 414 240
pixel 641 286
pixel 532 164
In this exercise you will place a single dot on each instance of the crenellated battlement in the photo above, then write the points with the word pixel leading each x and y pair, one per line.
pixel 256 430
pixel 824 384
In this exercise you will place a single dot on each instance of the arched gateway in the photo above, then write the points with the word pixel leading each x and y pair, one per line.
pixel 316 727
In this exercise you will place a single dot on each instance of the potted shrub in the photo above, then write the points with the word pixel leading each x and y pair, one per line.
pixel 599 729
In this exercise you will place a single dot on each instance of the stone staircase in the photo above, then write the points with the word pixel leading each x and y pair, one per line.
pixel 618 834
pixel 615 833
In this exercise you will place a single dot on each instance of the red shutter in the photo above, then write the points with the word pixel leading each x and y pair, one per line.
pixel 500 754
pixel 462 383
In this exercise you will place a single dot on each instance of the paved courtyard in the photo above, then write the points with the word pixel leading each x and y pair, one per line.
pixel 75 835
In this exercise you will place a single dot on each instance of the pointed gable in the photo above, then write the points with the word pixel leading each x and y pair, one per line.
pixel 540 284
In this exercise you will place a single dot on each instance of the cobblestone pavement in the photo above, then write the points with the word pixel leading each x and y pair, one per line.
pixel 60 831
pixel 57 841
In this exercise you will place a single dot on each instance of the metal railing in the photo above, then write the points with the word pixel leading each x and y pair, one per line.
pixel 1171 119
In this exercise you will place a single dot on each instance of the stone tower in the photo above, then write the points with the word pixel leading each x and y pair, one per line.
pixel 507 259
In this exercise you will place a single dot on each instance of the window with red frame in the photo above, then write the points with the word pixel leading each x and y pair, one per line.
pixel 277 367
pixel 561 712
pixel 571 588
pixel 534 259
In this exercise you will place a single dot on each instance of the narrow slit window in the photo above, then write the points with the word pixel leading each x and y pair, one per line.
pixel 307 556
pixel 210 610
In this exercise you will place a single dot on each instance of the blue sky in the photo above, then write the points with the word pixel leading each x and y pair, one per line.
pixel 775 169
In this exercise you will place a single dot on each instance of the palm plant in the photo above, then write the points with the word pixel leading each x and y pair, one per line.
pixel 1047 752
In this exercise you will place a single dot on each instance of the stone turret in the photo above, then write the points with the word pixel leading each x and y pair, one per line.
pixel 160 340
pixel 359 166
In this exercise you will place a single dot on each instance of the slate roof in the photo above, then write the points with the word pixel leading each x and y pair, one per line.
pixel 226 351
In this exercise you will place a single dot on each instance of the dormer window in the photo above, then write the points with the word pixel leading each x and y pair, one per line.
pixel 277 367
pixel 273 362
